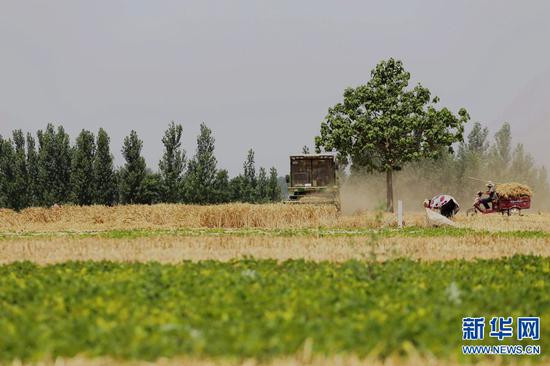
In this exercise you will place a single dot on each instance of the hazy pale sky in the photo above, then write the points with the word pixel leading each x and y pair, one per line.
pixel 263 74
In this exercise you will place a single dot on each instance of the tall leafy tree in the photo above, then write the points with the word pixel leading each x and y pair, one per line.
pixel 238 189
pixel 32 170
pixel 274 190
pixel 501 151
pixel 82 171
pixel 21 194
pixel 132 175
pixel 105 182
pixel 523 164
pixel 477 139
pixel 7 173
pixel 2 177
pixel 172 164
pixel 152 188
pixel 451 173
pixel 383 125
pixel 250 179
pixel 63 164
pixel 471 159
pixel 221 187
pixel 262 186
pixel 201 171
pixel 54 165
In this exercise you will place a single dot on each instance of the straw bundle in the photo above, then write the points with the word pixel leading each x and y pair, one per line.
pixel 513 190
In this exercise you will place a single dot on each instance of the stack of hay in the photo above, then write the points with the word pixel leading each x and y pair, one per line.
pixel 513 190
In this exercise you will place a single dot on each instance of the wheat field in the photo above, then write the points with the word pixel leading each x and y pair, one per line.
pixel 46 236
pixel 173 249
pixel 172 233
pixel 278 216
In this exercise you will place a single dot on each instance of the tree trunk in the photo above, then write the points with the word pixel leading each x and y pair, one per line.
pixel 389 190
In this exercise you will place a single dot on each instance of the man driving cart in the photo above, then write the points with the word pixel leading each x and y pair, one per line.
pixel 491 196
pixel 506 198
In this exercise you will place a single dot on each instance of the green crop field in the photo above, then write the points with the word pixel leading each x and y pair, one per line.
pixel 260 308
pixel 262 284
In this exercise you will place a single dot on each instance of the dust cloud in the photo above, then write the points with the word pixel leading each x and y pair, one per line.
pixel 369 193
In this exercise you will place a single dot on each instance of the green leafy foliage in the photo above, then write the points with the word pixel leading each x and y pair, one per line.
pixel 383 125
pixel 83 174
pixel 152 190
pixel 273 187
pixel 262 187
pixel 82 171
pixel 105 182
pixel 255 187
pixel 32 171
pixel 8 174
pixel 479 157
pixel 222 191
pixel 54 165
pixel 172 164
pixel 260 309
pixel 201 172
pixel 133 174
pixel 250 177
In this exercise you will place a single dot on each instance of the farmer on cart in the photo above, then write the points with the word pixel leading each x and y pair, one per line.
pixel 491 195
pixel 446 205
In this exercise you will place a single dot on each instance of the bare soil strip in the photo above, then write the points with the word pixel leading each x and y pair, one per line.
pixel 171 249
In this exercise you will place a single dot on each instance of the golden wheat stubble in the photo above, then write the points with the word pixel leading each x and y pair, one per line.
pixel 173 249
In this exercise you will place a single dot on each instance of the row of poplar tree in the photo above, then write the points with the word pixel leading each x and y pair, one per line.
pixel 48 170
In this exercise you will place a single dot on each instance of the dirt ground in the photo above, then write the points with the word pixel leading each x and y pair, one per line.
pixel 173 249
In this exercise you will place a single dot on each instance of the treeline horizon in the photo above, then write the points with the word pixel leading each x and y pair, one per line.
pixel 464 171
pixel 47 170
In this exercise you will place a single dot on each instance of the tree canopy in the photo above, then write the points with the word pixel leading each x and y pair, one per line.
pixel 172 164
pixel 202 169
pixel 133 173
pixel 82 173
pixel 382 125
pixel 105 183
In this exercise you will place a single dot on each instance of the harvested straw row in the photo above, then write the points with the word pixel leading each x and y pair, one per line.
pixel 173 249
pixel 166 216
pixel 513 190
pixel 235 215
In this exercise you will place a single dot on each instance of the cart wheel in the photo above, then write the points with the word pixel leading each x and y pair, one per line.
pixel 514 211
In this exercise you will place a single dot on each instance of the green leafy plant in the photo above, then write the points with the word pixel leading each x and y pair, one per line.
pixel 260 308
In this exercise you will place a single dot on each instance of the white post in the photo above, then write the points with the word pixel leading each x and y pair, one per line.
pixel 400 214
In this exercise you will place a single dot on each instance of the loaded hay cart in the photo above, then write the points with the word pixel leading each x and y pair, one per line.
pixel 511 198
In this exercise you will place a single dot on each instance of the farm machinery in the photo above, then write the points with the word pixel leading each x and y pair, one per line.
pixel 313 180
pixel 510 199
